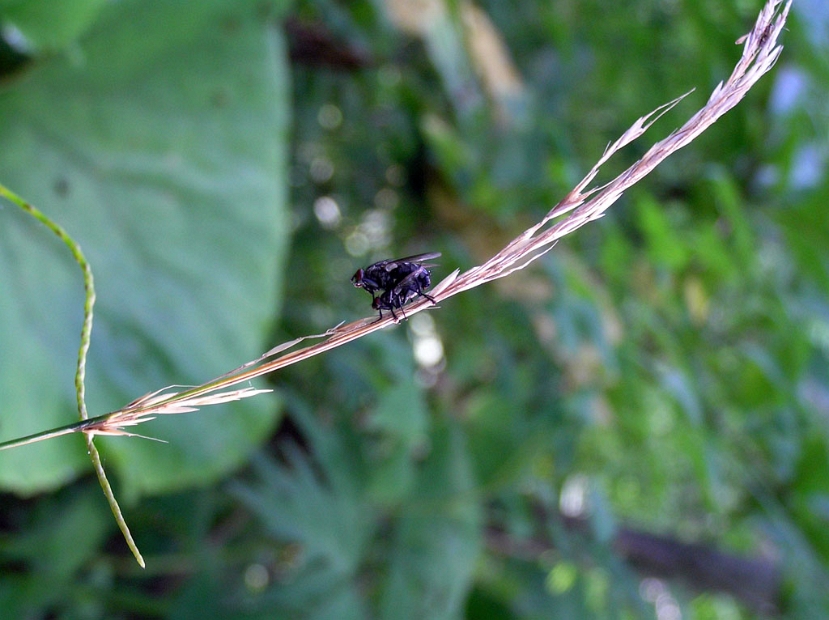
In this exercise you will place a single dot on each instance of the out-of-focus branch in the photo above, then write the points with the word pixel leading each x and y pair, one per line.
pixel 755 581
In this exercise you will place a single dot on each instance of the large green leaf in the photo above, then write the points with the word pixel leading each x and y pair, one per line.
pixel 162 150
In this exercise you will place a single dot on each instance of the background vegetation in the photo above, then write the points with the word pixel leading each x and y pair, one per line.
pixel 634 427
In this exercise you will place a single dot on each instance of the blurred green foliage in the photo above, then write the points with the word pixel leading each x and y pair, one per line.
pixel 659 376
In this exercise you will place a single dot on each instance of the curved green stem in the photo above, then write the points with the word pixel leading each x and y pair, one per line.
pixel 113 503
pixel 80 371
pixel 89 290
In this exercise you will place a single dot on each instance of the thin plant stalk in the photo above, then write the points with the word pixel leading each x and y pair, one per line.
pixel 83 350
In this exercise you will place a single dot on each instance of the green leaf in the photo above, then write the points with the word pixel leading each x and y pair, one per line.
pixel 498 440
pixel 437 540
pixel 163 154
pixel 401 413
pixel 807 234
pixel 50 24
pixel 323 516
pixel 810 490
pixel 681 386
pixel 60 538
pixel 665 246
pixel 296 505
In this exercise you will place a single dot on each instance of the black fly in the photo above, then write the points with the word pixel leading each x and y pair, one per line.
pixel 397 281
pixel 398 296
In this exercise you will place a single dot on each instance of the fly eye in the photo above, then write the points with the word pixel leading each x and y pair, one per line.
pixel 358 276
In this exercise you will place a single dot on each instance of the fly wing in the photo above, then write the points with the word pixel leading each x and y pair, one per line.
pixel 417 259
pixel 413 275
pixel 404 291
